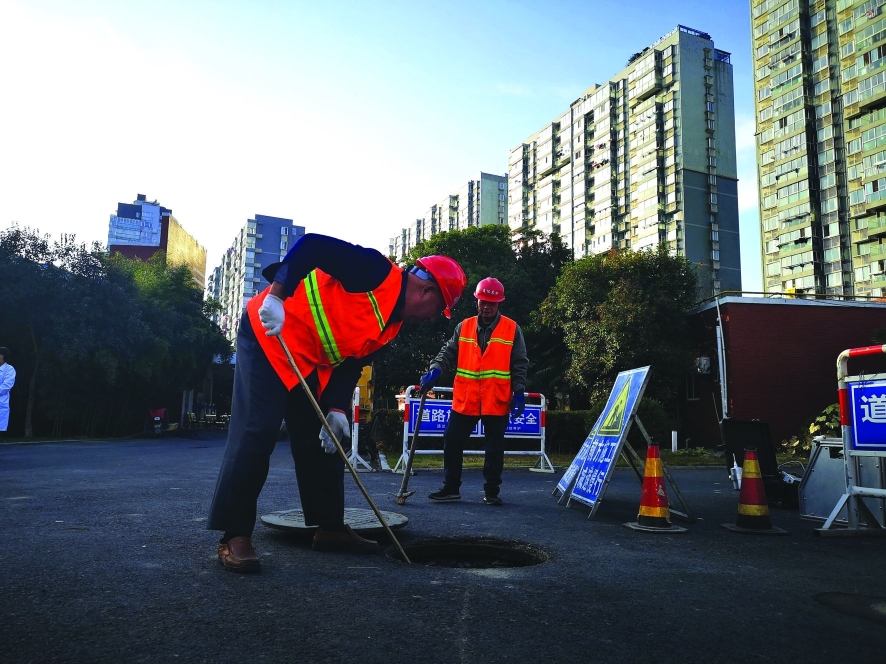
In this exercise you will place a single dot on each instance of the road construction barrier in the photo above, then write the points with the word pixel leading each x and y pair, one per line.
pixel 654 515
pixel 529 426
pixel 863 423
pixel 753 508
pixel 358 462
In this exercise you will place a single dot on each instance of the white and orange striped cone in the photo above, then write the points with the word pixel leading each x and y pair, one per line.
pixel 753 509
pixel 654 515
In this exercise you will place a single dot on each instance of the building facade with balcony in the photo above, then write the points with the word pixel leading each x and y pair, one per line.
pixel 647 158
pixel 260 242
pixel 479 202
pixel 141 229
pixel 821 144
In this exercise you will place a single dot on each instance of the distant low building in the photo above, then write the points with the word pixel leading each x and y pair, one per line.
pixel 260 242
pixel 141 229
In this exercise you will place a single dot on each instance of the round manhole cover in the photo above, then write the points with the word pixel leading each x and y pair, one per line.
pixel 361 520
pixel 469 553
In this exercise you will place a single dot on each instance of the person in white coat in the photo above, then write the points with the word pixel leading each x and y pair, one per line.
pixel 7 380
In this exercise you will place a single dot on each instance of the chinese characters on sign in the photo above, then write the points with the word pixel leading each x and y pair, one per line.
pixel 868 403
pixel 436 415
pixel 594 464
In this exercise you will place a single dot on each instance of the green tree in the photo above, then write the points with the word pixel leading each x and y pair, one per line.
pixel 622 310
pixel 98 337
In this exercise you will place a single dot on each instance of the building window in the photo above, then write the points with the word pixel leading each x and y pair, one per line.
pixel 284 230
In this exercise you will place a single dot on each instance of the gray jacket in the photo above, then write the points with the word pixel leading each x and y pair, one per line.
pixel 447 358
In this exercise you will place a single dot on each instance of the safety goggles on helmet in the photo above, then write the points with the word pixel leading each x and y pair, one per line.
pixel 448 276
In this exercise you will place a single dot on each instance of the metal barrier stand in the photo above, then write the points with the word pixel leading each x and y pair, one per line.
pixel 359 464
pixel 530 425
pixel 864 437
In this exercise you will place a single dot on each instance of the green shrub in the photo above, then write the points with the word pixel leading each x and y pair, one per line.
pixel 826 423
pixel 567 430
pixel 387 431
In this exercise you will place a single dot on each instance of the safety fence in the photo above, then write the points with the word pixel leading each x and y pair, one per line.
pixel 862 402
pixel 527 430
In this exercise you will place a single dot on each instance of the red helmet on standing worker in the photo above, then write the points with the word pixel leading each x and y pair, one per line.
pixel 490 289
pixel 449 277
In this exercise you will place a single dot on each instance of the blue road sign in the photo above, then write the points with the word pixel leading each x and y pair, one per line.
pixel 868 400
pixel 436 416
pixel 604 444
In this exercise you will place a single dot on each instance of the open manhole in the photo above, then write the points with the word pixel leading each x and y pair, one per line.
pixel 469 553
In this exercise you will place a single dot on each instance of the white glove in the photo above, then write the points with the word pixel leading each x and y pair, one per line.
pixel 340 426
pixel 271 315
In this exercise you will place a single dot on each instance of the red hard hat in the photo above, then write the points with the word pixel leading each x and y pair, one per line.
pixel 490 290
pixel 449 277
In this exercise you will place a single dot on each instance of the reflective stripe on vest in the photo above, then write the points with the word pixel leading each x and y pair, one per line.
pixel 325 325
pixel 482 383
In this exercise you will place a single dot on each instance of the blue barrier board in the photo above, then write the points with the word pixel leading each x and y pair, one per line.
pixel 566 481
pixel 604 444
pixel 436 416
pixel 868 399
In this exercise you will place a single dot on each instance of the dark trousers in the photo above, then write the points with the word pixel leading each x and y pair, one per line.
pixel 260 403
pixel 455 439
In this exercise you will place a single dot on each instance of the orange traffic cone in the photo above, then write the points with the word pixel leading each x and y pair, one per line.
pixel 753 510
pixel 654 516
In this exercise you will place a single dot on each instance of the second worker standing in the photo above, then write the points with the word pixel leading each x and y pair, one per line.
pixel 488 354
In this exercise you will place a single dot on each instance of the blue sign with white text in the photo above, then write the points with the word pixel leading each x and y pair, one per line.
pixel 868 400
pixel 603 446
pixel 436 416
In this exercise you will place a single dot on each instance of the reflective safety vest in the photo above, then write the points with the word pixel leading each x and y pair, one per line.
pixel 325 325
pixel 482 383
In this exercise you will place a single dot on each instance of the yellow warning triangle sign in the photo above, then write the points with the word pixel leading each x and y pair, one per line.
pixel 615 416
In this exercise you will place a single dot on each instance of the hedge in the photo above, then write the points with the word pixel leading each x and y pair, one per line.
pixel 565 430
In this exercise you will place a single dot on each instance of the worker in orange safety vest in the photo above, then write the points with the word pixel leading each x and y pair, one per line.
pixel 335 305
pixel 489 356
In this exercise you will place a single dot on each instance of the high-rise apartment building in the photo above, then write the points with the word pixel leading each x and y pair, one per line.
pixel 644 159
pixel 141 229
pixel 820 88
pixel 260 242
pixel 479 202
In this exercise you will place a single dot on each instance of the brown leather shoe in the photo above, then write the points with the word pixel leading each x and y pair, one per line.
pixel 343 540
pixel 238 555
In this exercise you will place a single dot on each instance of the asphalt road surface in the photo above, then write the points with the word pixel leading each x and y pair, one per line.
pixel 104 558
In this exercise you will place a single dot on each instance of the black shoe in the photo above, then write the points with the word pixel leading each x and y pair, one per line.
pixel 491 500
pixel 344 540
pixel 445 494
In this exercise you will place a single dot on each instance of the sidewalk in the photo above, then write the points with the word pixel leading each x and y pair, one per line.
pixel 105 559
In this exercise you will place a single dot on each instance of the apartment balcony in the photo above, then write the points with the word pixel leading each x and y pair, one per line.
pixel 860 235
pixel 877 100
pixel 653 88
pixel 876 228
pixel 857 210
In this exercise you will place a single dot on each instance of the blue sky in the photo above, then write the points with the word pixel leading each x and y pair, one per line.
pixel 350 117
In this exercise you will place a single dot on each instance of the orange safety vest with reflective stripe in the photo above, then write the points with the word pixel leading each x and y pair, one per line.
pixel 482 383
pixel 325 324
